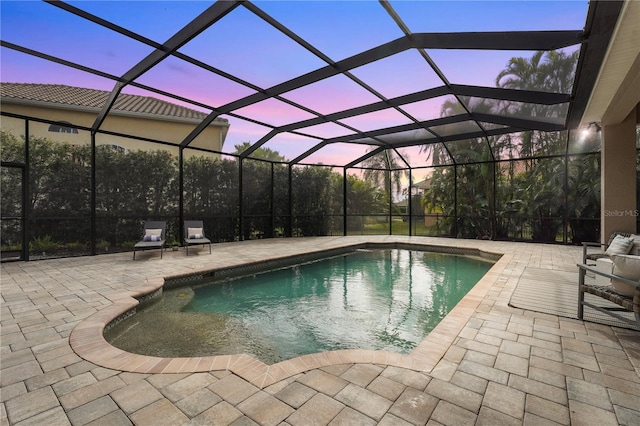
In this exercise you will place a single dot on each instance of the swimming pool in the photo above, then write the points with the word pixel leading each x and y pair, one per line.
pixel 368 299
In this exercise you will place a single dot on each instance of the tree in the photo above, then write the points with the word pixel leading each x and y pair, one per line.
pixel 313 195
pixel 548 71
pixel 475 209
pixel 262 153
pixel 537 192
pixel 382 171
pixel 363 198
pixel 543 184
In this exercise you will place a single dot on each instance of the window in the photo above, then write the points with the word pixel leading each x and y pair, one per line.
pixel 62 127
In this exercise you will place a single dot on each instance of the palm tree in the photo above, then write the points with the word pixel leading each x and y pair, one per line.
pixel 377 167
pixel 542 183
pixel 548 71
pixel 522 74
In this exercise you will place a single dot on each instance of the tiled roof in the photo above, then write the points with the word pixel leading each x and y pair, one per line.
pixel 91 98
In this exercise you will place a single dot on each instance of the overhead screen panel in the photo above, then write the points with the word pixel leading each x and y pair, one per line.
pixel 399 96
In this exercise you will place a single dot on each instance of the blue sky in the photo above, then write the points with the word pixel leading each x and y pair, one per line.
pixel 246 46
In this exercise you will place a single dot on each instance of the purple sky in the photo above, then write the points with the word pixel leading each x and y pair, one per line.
pixel 244 45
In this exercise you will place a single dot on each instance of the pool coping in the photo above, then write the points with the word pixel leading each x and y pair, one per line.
pixel 87 339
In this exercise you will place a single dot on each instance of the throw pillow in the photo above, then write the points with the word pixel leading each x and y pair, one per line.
pixel 157 232
pixel 195 233
pixel 627 267
pixel 620 245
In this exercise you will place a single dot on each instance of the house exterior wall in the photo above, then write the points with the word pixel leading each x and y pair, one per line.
pixel 619 209
pixel 164 129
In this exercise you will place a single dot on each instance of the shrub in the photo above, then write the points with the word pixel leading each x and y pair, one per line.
pixel 128 245
pixel 44 244
pixel 76 246
pixel 102 245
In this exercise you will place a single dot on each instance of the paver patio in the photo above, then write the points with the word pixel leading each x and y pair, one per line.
pixel 486 363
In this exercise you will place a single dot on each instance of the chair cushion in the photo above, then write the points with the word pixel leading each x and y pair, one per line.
pixel 195 233
pixel 620 245
pixel 635 248
pixel 152 235
pixel 625 266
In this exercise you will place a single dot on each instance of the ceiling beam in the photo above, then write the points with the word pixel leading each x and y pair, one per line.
pixel 503 40
pixel 602 18
pixel 212 14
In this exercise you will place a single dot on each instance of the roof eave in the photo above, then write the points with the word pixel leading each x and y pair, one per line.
pixel 95 110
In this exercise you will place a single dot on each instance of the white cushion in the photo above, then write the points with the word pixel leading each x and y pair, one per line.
pixel 154 232
pixel 635 248
pixel 195 233
pixel 625 266
pixel 620 245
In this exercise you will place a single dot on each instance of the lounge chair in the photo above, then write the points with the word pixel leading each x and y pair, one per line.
pixel 624 292
pixel 588 258
pixel 194 234
pixel 154 236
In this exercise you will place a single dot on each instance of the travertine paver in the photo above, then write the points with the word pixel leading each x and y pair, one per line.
pixel 92 410
pixel 160 413
pixel 408 378
pixel 491 417
pixel 366 402
pixel 323 382
pixel 386 388
pixel 136 396
pixel 350 417
pixel 391 420
pixel 295 394
pixel 222 413
pixel 265 409
pixel 233 389
pixel 319 410
pixel 30 404
pixel 536 388
pixel 197 402
pixel 487 364
pixel 414 406
pixel 362 374
pixel 512 364
pixel 88 393
pixel 446 413
pixel 547 409
pixel 505 399
pixel 455 394
pixel 585 414
pixel 187 386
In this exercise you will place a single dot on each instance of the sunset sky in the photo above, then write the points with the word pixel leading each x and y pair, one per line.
pixel 244 45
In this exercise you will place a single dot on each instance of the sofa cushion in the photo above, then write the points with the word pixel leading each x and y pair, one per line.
pixel 620 245
pixel 625 266
pixel 635 248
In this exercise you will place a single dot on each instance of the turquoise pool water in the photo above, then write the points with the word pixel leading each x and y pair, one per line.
pixel 368 299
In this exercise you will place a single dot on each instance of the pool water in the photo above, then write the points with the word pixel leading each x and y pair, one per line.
pixel 367 299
